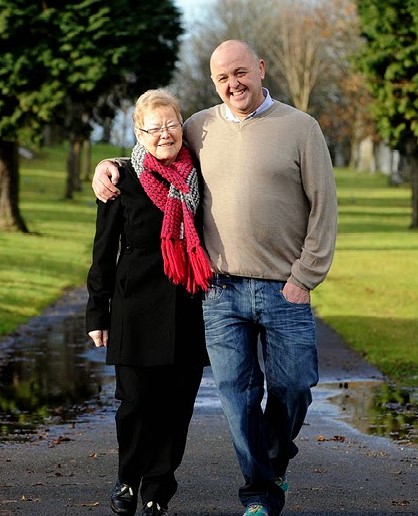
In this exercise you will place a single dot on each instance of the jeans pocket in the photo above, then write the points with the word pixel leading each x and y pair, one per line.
pixel 213 293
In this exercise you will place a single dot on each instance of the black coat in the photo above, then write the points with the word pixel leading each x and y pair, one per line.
pixel 151 321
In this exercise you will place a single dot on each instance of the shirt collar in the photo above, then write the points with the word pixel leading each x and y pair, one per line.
pixel 268 101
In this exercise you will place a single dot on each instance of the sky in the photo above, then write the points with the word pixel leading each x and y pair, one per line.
pixel 191 8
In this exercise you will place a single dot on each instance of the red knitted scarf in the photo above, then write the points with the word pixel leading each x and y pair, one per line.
pixel 174 190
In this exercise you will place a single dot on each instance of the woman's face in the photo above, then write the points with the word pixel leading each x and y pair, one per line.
pixel 167 140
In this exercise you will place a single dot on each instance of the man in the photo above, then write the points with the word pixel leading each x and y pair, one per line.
pixel 270 216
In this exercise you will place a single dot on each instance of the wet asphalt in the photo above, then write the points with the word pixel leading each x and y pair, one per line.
pixel 339 470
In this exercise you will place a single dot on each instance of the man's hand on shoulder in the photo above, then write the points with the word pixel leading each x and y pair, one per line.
pixel 106 176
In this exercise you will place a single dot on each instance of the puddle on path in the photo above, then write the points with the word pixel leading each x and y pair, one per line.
pixel 374 408
pixel 51 375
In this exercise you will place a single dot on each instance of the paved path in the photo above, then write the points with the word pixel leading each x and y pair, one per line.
pixel 70 470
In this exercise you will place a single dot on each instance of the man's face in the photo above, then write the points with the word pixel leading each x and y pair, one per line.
pixel 237 76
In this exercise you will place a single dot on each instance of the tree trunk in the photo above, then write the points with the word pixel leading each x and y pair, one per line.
pixel 73 169
pixel 86 160
pixel 10 217
pixel 410 158
pixel 414 187
pixel 107 130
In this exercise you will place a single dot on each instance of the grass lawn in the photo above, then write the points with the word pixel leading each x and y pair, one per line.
pixel 370 296
pixel 36 268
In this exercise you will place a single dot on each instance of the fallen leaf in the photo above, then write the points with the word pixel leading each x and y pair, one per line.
pixel 339 438
pixel 25 499
pixel 60 440
pixel 400 503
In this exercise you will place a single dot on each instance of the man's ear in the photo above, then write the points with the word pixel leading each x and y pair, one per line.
pixel 262 68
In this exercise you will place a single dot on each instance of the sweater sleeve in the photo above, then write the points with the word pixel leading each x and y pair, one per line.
pixel 319 185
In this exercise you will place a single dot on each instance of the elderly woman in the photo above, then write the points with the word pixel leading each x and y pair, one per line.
pixel 144 304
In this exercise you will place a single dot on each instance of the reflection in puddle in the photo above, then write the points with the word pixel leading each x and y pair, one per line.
pixel 50 375
pixel 376 408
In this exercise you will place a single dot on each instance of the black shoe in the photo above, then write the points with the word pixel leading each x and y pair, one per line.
pixel 123 499
pixel 153 509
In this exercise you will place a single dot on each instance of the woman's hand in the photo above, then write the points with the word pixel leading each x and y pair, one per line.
pixel 106 176
pixel 100 337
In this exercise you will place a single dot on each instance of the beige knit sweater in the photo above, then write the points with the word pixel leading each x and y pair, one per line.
pixel 269 204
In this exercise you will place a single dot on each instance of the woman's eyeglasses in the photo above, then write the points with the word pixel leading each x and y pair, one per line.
pixel 171 128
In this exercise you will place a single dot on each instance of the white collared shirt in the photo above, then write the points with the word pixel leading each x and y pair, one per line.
pixel 268 101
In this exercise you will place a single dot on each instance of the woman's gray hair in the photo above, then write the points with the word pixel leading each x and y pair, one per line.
pixel 151 100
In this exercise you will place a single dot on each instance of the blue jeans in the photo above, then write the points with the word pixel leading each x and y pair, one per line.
pixel 239 314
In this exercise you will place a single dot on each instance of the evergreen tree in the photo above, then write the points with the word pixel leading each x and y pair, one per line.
pixel 390 62
pixel 59 60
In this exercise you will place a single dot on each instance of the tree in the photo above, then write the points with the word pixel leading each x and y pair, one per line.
pixel 74 54
pixel 389 60
pixel 340 100
pixel 293 39
pixel 28 94
pixel 135 49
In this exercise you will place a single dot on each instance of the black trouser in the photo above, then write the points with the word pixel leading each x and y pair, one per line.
pixel 152 422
